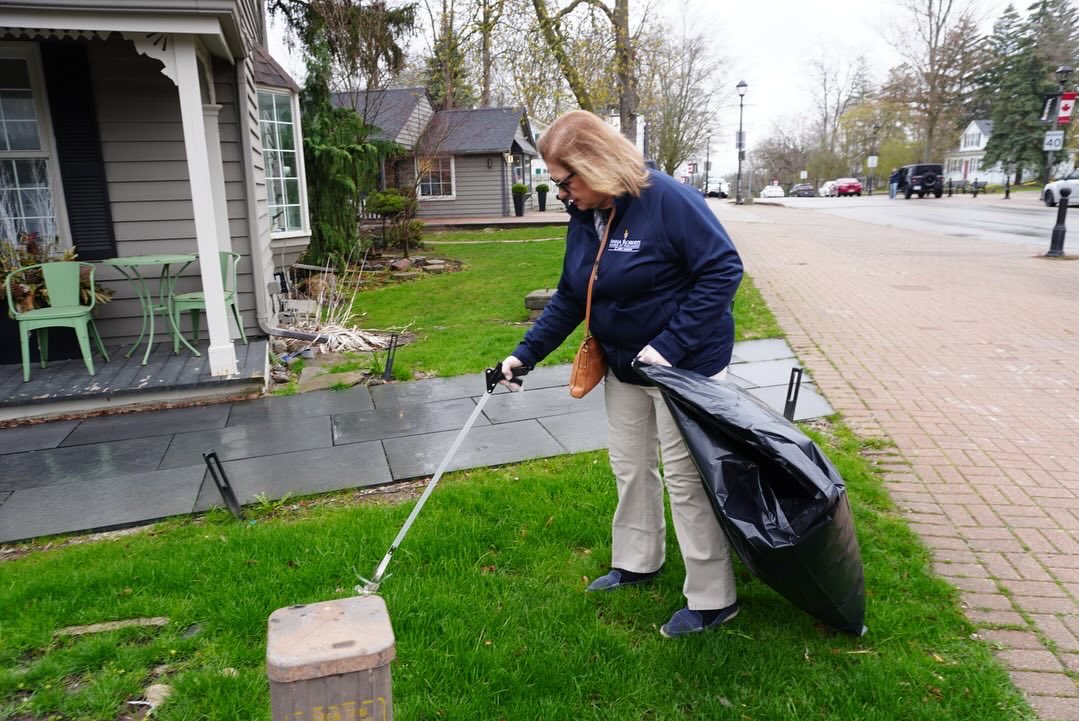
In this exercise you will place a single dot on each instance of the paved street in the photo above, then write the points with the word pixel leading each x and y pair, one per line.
pixel 1020 220
pixel 964 352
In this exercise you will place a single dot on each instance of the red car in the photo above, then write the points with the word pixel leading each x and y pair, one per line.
pixel 848 186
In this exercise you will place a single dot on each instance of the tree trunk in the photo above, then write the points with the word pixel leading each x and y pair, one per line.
pixel 627 75
pixel 553 37
pixel 485 60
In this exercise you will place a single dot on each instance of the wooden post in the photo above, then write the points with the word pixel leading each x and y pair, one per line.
pixel 331 661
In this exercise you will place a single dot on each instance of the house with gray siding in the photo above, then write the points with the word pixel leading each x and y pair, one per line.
pixel 149 127
pixel 460 162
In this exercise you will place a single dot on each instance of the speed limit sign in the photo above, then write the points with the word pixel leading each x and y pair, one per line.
pixel 1054 140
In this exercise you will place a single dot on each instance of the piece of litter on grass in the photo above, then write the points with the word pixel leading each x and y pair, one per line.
pixel 112 626
pixel 154 696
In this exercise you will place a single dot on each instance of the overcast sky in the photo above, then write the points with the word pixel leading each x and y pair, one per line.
pixel 769 44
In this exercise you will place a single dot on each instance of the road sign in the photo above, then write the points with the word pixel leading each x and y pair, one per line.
pixel 692 168
pixel 740 140
pixel 1054 140
pixel 872 161
pixel 804 174
pixel 1064 111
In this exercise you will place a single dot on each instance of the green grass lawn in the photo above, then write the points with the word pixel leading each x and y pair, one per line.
pixel 487 601
pixel 470 320
pixel 486 595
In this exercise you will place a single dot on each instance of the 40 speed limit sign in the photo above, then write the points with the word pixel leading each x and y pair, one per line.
pixel 1054 140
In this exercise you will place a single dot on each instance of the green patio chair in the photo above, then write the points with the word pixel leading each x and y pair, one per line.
pixel 65 310
pixel 196 302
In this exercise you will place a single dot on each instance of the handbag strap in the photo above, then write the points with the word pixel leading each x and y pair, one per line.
pixel 595 270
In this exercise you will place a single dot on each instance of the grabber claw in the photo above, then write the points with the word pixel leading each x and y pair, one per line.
pixel 369 588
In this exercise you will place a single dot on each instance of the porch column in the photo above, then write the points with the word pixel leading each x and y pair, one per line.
pixel 222 354
pixel 210 115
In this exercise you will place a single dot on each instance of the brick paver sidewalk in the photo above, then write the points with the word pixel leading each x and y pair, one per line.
pixel 966 354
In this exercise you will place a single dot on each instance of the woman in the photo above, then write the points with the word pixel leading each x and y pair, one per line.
pixel 662 295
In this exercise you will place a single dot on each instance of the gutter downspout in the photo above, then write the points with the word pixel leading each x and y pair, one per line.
pixel 505 183
pixel 267 321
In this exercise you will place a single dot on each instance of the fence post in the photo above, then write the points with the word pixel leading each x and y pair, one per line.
pixel 949 187
pixel 1056 246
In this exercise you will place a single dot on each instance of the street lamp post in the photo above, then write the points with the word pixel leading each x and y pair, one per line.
pixel 871 170
pixel 1062 74
pixel 707 163
pixel 741 140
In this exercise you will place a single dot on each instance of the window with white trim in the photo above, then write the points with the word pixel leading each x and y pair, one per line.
pixel 29 187
pixel 283 161
pixel 436 176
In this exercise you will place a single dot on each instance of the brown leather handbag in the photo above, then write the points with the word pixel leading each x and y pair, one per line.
pixel 589 365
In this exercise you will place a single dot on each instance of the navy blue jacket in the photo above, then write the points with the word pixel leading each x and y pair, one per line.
pixel 666 278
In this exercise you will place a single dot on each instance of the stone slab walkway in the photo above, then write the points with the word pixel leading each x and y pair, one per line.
pixel 966 354
pixel 109 471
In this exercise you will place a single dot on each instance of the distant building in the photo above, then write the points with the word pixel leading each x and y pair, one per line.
pixel 967 163
pixel 461 162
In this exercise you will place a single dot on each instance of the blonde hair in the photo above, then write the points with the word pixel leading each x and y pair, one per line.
pixel 596 153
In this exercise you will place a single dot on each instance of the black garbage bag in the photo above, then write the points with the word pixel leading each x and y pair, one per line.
pixel 780 501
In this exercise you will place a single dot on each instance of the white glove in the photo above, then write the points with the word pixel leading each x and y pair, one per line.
pixel 508 365
pixel 651 356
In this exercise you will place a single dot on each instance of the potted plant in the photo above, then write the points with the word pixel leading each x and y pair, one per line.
pixel 29 293
pixel 520 192
pixel 541 195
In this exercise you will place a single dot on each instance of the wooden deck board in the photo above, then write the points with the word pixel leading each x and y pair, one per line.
pixel 7 372
pixel 67 381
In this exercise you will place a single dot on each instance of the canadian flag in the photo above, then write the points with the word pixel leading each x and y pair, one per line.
pixel 1064 112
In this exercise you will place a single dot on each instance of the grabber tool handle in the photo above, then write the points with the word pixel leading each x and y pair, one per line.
pixel 494 375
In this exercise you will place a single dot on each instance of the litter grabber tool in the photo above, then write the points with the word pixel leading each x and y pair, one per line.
pixel 492 377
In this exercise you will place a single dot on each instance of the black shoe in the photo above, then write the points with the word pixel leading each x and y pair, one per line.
pixel 686 621
pixel 616 578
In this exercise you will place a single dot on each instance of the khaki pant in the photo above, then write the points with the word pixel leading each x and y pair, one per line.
pixel 640 428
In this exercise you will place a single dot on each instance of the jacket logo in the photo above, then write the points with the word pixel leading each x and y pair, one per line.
pixel 624 244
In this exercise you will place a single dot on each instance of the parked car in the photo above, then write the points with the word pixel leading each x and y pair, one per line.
pixel 827 189
pixel 717 189
pixel 802 190
pixel 772 191
pixel 848 186
pixel 1051 193
pixel 923 178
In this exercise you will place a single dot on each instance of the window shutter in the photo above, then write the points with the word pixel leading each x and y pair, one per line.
pixel 78 148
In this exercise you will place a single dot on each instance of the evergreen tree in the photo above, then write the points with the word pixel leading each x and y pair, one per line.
pixel 348 44
pixel 1015 84
pixel 446 71
pixel 338 164
pixel 1053 27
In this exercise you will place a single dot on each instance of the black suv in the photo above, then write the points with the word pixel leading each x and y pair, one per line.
pixel 921 179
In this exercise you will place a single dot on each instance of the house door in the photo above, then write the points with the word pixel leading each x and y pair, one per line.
pixel 966 167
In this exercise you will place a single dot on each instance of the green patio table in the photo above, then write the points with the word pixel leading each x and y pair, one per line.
pixel 131 268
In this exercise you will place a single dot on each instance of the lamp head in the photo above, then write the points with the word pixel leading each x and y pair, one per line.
pixel 1063 72
pixel 741 86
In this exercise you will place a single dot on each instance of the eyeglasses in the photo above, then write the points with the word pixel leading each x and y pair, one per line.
pixel 564 183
